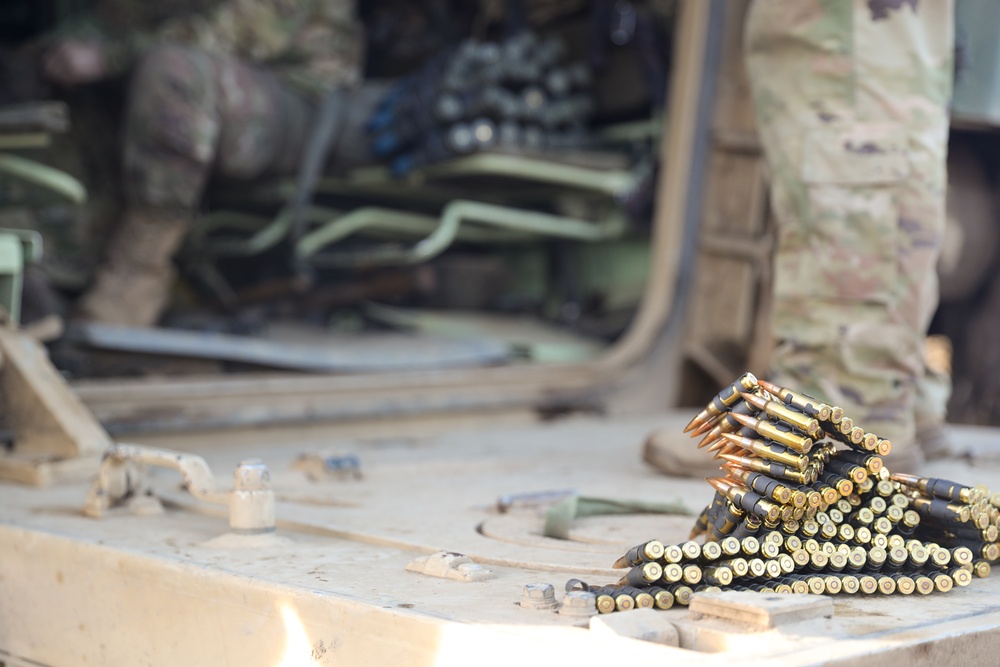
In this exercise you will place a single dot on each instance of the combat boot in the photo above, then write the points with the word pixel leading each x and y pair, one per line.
pixel 671 451
pixel 132 287
pixel 933 391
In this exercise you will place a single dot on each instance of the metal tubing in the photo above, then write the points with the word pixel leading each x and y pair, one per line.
pixel 446 232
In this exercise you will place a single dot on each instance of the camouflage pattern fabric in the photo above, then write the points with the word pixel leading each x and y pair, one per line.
pixel 851 99
pixel 309 44
pixel 226 90
pixel 191 114
pixel 257 65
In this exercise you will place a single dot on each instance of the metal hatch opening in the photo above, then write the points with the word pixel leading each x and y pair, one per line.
pixel 479 362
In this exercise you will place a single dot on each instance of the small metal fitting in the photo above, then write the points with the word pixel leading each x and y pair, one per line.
pixel 251 503
pixel 578 604
pixel 538 596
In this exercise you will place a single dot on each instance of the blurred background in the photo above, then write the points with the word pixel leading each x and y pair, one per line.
pixel 490 202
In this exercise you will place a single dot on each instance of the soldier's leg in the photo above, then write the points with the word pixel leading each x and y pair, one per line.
pixel 851 104
pixel 190 115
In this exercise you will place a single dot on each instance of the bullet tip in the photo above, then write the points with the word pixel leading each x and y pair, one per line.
pixel 743 419
pixel 717 445
pixel 704 427
pixel 769 387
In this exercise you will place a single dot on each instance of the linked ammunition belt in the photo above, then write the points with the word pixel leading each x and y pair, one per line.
pixel 807 505
pixel 521 93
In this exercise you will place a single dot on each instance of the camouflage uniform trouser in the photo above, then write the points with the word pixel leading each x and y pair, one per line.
pixel 851 99
pixel 192 115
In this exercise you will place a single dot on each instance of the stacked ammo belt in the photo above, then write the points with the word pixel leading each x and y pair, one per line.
pixel 515 93
pixel 807 506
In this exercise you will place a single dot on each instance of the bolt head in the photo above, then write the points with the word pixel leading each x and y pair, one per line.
pixel 579 603
pixel 538 596
pixel 540 591
pixel 251 475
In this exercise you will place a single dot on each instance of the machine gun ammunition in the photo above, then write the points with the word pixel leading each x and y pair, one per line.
pixel 940 488
pixel 691 550
pixel 771 451
pixel 725 523
pixel 605 601
pixel 672 573
pixel 940 509
pixel 643 575
pixel 642 553
pixel 780 411
pixel 692 574
pixel 757 567
pixel 895 560
pixel 719 575
pixel 751 526
pixel 712 431
pixel 960 576
pixel 843 486
pixel 855 473
pixel 942 582
pixel 701 523
pixel 772 469
pixel 904 583
pixel 662 598
pixel 868 583
pixel 760 483
pixel 682 593
pixel 787 437
pixel 862 535
pixel 738 566
pixel 886 584
pixel 877 505
pixel 830 495
pixel 850 584
pixel 722 400
pixel 807 404
pixel 730 546
pixel 863 517
pixel 672 553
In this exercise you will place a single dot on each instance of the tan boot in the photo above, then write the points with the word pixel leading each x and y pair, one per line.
pixel 933 391
pixel 132 287
pixel 673 452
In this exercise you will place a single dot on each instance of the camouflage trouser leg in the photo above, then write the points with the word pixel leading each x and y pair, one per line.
pixel 192 115
pixel 851 100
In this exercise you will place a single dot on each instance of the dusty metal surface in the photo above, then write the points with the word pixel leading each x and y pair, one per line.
pixel 331 585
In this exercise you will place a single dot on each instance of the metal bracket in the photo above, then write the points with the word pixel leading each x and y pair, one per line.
pixel 448 565
pixel 122 478
pixel 56 437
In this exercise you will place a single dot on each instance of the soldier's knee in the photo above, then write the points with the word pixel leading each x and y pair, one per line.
pixel 172 129
pixel 172 102
pixel 172 70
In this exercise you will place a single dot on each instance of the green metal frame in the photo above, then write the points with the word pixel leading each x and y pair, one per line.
pixel 43 175
pixel 459 220
pixel 522 167
pixel 523 224
pixel 377 180
pixel 18 247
